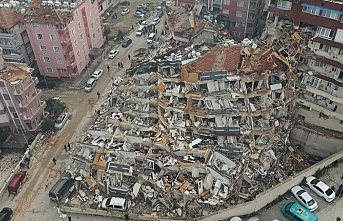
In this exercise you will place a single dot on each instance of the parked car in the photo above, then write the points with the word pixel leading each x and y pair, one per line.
pixel 160 14
pixel 118 80
pixel 140 32
pixel 143 24
pixel 61 121
pixel 236 218
pixel 125 11
pixel 141 6
pixel 155 21
pixel 113 54
pixel 253 219
pixel 304 198
pixel 138 14
pixel 114 203
pixel 159 8
pixel 6 214
pixel 16 182
pixel 61 187
pixel 151 38
pixel 142 10
pixel 97 74
pixel 126 42
pixel 126 3
pixel 90 85
pixel 320 188
pixel 296 212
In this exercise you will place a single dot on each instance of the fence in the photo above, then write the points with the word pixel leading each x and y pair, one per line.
pixel 268 196
pixel 17 167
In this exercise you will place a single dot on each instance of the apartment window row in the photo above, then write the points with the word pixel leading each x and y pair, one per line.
pixel 320 11
pixel 55 48
pixel 37 25
pixel 325 33
pixel 40 37
pixel 48 60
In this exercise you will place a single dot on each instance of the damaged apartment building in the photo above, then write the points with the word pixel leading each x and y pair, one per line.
pixel 195 132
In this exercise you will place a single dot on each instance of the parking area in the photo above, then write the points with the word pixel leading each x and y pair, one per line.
pixel 326 211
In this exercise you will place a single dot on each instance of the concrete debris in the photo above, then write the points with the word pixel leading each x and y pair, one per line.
pixel 197 129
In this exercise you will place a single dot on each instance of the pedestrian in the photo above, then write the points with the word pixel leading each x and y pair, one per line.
pixel 97 93
pixel 65 148
pixel 119 65
pixel 54 160
pixel 69 146
pixel 108 68
pixel 129 57
pixel 46 186
pixel 132 27
pixel 98 112
pixel 69 218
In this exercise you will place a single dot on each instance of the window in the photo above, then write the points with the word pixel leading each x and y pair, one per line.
pixel 309 10
pixel 325 32
pixel 226 2
pixel 35 25
pixel 240 3
pixel 84 47
pixel 90 14
pixel 53 37
pixel 77 13
pixel 97 20
pixel 81 36
pixel 251 16
pixel 78 53
pixel 236 34
pixel 46 59
pixel 284 4
pixel 330 14
pixel 92 25
pixel 57 50
pixel 49 70
pixel 51 26
pixel 40 36
pixel 9 103
pixel 4 90
pixel 93 35
pixel 75 42
pixel 239 14
pixel 15 115
pixel 319 63
pixel 59 60
pixel 42 47
pixel 98 30
pixel 324 47
pixel 73 31
pixel 79 25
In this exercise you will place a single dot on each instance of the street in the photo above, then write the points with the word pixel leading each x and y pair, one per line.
pixel 33 203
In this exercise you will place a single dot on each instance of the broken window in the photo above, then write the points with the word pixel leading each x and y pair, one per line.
pixel 324 47
pixel 301 117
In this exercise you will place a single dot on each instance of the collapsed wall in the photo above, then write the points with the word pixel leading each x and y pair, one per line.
pixel 315 142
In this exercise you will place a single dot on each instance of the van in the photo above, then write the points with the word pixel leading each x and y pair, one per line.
pixel 114 203
pixel 151 37
pixel 60 188
pixel 296 212
pixel 90 84
pixel 17 181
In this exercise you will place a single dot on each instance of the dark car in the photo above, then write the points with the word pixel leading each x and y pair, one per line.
pixel 16 182
pixel 6 214
pixel 126 3
pixel 126 42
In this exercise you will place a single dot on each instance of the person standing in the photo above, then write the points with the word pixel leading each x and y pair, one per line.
pixel 54 160
pixel 129 56
pixel 119 65
pixel 65 148
pixel 97 93
pixel 108 68
pixel 69 218
pixel 69 146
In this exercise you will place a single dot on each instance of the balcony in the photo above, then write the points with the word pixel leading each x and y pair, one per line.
pixel 71 66
pixel 68 55
pixel 9 35
pixel 26 104
pixel 66 42
pixel 12 56
pixel 319 108
pixel 321 92
pixel 63 31
pixel 35 113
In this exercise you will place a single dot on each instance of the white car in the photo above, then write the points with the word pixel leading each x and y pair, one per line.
pixel 138 15
pixel 143 24
pixel 155 21
pixel 125 11
pixel 113 54
pixel 141 6
pixel 236 218
pixel 253 219
pixel 304 198
pixel 151 38
pixel 97 74
pixel 61 121
pixel 139 32
pixel 320 188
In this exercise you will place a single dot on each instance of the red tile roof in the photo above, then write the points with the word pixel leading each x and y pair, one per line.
pixel 218 58
pixel 9 18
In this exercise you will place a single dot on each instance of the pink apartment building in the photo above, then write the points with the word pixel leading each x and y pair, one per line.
pixel 21 109
pixel 63 38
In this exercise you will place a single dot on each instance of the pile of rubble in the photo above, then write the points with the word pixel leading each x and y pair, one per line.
pixel 193 132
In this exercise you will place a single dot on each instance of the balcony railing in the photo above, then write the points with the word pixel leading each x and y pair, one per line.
pixel 71 66
pixel 68 55
pixel 63 31
pixel 66 42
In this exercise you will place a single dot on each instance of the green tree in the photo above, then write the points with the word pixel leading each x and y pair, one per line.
pixel 55 107
pixel 120 35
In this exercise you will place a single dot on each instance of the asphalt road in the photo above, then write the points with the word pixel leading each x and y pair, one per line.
pixel 33 202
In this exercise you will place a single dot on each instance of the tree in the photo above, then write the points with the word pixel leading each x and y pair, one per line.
pixel 120 35
pixel 55 107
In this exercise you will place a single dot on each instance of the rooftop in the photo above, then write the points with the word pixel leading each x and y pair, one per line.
pixel 218 58
pixel 9 18
pixel 47 16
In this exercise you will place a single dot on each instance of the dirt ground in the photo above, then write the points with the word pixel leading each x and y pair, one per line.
pixel 124 23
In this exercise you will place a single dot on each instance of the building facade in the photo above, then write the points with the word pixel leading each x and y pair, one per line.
pixel 13 37
pixel 62 40
pixel 321 99
pixel 21 109
pixel 243 15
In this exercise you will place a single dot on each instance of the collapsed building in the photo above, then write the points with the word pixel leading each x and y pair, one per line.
pixel 195 131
